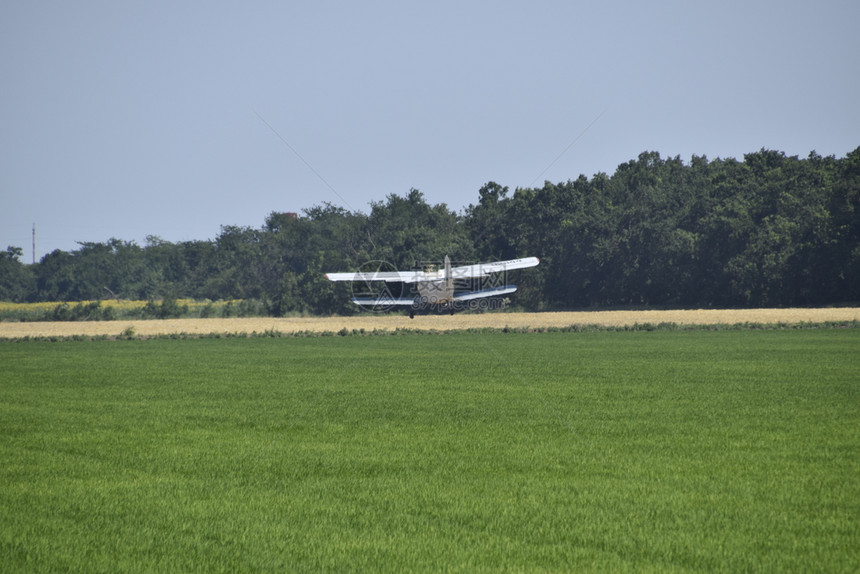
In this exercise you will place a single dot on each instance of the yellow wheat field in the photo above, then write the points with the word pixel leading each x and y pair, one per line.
pixel 370 322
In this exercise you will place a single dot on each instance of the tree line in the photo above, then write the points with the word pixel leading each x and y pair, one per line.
pixel 771 230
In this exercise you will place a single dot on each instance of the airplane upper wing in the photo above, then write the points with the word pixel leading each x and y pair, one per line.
pixel 484 269
pixel 390 276
pixel 416 276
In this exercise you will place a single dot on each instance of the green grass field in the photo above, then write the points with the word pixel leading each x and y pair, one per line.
pixel 666 451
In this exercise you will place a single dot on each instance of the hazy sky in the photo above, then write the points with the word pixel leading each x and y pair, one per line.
pixel 128 119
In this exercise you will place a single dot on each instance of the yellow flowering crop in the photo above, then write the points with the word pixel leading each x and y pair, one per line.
pixel 36 311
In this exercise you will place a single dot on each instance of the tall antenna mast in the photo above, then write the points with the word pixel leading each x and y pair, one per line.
pixel 34 244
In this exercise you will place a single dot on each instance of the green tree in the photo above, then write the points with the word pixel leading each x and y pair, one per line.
pixel 840 260
pixel 768 230
pixel 486 223
pixel 403 230
pixel 17 281
pixel 235 268
pixel 298 250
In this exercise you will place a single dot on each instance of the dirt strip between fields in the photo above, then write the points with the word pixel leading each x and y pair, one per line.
pixel 370 322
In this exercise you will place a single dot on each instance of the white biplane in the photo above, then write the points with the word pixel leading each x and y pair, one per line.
pixel 440 289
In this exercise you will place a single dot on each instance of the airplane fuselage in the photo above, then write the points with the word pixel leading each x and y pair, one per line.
pixel 438 291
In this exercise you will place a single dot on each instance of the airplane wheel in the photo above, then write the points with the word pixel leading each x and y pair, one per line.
pixel 411 314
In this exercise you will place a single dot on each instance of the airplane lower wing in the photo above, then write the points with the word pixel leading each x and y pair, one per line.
pixel 383 301
pixel 411 301
pixel 494 292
